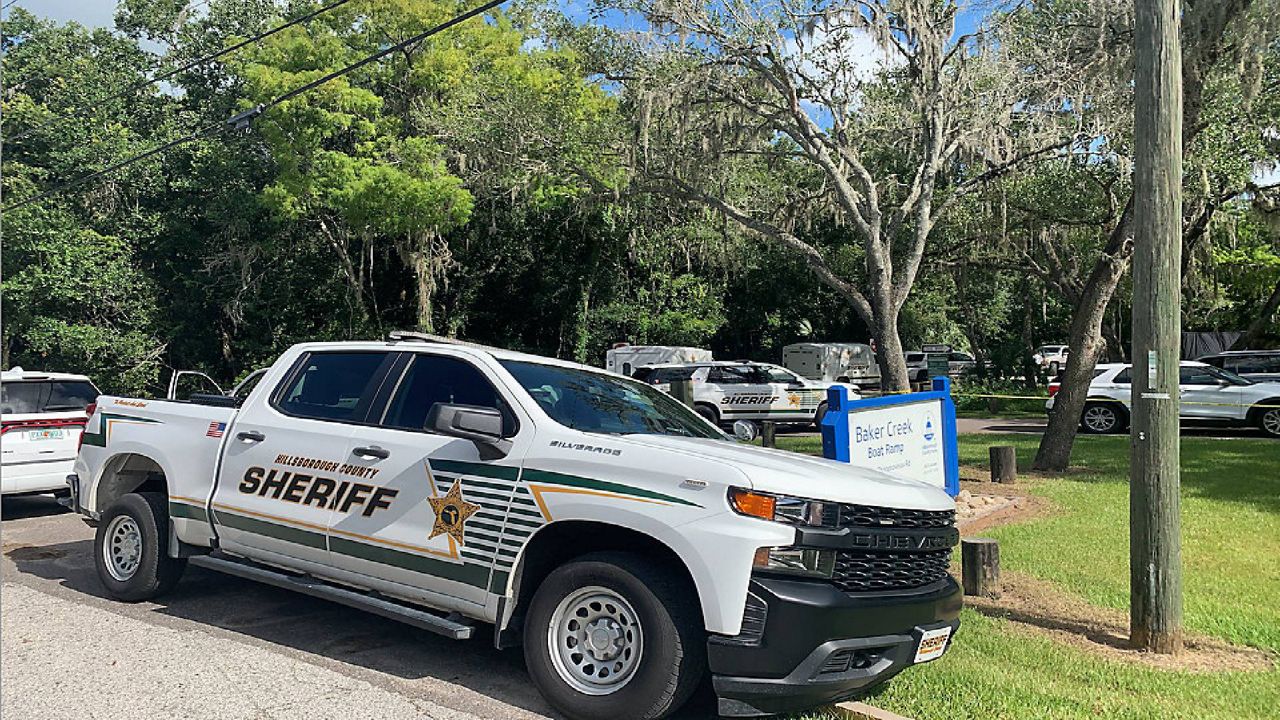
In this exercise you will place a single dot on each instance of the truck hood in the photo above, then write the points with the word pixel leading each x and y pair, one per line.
pixel 788 473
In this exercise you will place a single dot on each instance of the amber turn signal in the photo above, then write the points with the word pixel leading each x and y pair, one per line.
pixel 753 504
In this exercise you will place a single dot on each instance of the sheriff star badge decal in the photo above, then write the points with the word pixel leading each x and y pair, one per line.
pixel 451 513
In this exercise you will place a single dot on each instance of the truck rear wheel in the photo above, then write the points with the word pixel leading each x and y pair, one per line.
pixel 129 548
pixel 610 636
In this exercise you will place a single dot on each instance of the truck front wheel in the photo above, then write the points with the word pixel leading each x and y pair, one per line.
pixel 129 548
pixel 610 636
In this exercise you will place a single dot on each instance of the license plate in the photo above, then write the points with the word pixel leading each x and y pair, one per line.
pixel 46 434
pixel 932 644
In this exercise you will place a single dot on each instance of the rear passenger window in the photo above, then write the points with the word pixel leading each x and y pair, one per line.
pixel 433 379
pixel 17 398
pixel 72 395
pixel 333 386
pixel 1124 377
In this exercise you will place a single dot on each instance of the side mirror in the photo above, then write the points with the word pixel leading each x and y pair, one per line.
pixel 745 430
pixel 481 425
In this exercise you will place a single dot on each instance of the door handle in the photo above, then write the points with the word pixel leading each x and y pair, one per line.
pixel 251 436
pixel 372 451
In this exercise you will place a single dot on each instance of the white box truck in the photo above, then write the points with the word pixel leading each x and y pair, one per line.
pixel 625 359
pixel 853 363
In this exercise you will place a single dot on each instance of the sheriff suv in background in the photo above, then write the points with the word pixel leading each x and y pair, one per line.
pixel 630 546
pixel 725 392
pixel 42 416
pixel 1207 394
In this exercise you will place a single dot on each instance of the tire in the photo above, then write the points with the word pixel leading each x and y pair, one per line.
pixel 821 413
pixel 1103 418
pixel 1268 418
pixel 709 413
pixel 131 574
pixel 653 614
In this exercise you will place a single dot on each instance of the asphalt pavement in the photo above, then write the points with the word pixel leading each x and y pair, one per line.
pixel 222 647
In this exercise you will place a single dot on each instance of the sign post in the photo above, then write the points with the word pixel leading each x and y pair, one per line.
pixel 911 436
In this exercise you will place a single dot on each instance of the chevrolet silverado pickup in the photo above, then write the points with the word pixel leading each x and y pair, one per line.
pixel 627 544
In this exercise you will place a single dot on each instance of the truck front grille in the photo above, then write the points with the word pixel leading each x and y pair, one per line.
pixel 869 516
pixel 859 571
pixel 876 570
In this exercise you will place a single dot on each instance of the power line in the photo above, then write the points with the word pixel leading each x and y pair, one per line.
pixel 165 76
pixel 243 119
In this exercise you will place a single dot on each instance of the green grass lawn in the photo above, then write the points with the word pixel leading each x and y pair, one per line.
pixel 1231 558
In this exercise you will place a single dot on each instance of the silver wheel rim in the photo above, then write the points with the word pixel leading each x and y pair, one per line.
pixel 1100 418
pixel 122 551
pixel 1271 422
pixel 595 640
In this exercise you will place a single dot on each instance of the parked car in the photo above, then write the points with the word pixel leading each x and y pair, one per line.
pixel 727 391
pixel 41 418
pixel 851 363
pixel 1256 365
pixel 629 546
pixel 958 363
pixel 1052 358
pixel 1207 394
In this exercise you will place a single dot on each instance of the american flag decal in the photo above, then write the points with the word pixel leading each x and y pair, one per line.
pixel 216 429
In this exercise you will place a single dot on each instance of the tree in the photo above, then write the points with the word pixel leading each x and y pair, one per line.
pixel 1081 57
pixel 721 92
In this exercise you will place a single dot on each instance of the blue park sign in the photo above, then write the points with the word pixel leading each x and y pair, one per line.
pixel 911 436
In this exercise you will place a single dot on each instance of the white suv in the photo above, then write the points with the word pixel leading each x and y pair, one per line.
pixel 724 392
pixel 1051 357
pixel 1206 394
pixel 43 416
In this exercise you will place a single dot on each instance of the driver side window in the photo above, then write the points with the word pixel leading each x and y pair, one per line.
pixel 1196 376
pixel 433 379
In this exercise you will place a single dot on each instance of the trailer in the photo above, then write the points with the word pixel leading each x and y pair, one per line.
pixel 853 363
pixel 625 359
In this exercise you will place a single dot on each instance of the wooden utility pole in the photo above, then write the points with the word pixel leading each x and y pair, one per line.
pixel 1155 557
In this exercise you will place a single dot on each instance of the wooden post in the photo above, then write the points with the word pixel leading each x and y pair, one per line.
pixel 1004 464
pixel 767 434
pixel 1155 557
pixel 682 390
pixel 980 566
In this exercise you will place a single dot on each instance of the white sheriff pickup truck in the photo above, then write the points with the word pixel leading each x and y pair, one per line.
pixel 626 543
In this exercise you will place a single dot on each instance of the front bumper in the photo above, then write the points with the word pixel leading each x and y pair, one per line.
pixel 812 644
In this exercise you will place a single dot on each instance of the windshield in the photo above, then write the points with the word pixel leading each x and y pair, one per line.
pixel 598 403
pixel 1229 376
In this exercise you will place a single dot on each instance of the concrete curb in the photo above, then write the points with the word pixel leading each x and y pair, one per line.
pixel 862 711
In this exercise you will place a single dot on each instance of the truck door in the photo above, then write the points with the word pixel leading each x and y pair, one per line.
pixel 284 468
pixel 438 531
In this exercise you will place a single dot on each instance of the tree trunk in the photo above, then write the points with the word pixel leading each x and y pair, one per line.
pixel 1085 341
pixel 1260 322
pixel 425 280
pixel 889 355
pixel 1155 557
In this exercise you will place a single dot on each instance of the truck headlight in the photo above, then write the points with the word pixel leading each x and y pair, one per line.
pixel 798 512
pixel 778 508
pixel 806 562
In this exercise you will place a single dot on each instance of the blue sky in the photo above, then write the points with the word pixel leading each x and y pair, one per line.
pixel 94 13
